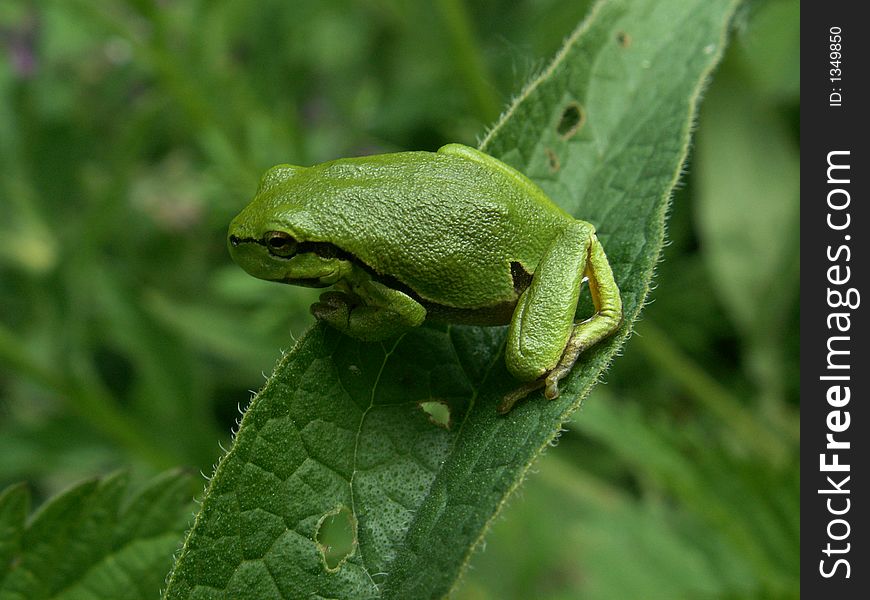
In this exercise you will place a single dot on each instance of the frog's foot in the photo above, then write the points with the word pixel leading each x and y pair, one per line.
pixel 586 334
pixel 582 338
pixel 550 383
pixel 576 345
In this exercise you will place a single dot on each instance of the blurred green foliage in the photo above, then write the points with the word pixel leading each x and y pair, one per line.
pixel 132 131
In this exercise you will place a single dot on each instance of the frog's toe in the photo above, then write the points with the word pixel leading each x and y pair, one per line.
pixel 332 308
pixel 511 398
pixel 551 387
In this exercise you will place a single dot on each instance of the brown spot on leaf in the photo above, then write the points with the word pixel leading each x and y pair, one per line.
pixel 623 39
pixel 573 118
pixel 553 160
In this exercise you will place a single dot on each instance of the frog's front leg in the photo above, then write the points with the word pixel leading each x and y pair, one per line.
pixel 544 341
pixel 368 310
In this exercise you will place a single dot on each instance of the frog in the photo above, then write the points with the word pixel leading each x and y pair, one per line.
pixel 454 236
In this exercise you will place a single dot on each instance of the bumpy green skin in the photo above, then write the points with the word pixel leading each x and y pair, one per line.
pixel 454 235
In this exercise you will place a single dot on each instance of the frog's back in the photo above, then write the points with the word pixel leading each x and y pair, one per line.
pixel 446 226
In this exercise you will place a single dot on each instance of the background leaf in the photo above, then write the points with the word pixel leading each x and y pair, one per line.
pixel 92 542
pixel 755 273
pixel 338 426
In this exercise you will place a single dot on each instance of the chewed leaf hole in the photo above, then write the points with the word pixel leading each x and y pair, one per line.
pixel 336 537
pixel 438 412
pixel 573 118
pixel 553 160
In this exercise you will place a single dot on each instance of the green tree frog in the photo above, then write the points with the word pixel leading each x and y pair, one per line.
pixel 454 236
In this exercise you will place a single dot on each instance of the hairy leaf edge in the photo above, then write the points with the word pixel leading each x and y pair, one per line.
pixel 628 327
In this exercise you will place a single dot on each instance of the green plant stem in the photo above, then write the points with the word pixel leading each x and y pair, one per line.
pixel 660 350
pixel 468 59
pixel 93 405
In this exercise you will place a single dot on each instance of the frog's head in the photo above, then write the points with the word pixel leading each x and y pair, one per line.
pixel 266 243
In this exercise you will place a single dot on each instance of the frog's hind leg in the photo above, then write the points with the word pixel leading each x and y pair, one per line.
pixel 605 321
pixel 543 320
pixel 543 340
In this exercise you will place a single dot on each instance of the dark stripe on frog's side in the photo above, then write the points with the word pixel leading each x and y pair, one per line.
pixel 325 250
pixel 498 314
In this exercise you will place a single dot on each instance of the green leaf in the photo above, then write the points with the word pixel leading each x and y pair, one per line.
pixel 14 502
pixel 758 549
pixel 340 427
pixel 741 143
pixel 91 543
pixel 755 273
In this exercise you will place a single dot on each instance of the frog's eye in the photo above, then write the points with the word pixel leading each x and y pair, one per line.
pixel 280 243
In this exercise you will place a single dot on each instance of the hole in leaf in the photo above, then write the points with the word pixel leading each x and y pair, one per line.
pixel 623 39
pixel 438 412
pixel 572 120
pixel 553 160
pixel 336 537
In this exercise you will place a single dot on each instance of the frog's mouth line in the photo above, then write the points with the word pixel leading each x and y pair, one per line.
pixel 321 249
pixel 309 283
